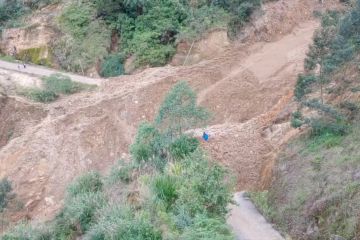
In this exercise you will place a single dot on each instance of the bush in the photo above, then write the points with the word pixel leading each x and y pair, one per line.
pixel 86 39
pixel 203 188
pixel 39 95
pixel 147 143
pixel 164 188
pixel 5 190
pixel 121 223
pixel 303 85
pixel 54 85
pixel 179 112
pixel 79 210
pixel 112 66
pixel 207 228
pixel 121 172
pixel 25 231
pixel 61 84
pixel 183 146
pixel 321 126
pixel 296 119
pixel 87 183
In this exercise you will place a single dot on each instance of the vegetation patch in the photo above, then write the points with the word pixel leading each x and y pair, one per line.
pixel 53 86
pixel 185 197
pixel 39 56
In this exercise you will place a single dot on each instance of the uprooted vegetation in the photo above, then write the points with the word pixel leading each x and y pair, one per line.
pixel 315 193
pixel 54 86
pixel 169 190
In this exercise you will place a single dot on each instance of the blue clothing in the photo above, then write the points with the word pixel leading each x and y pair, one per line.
pixel 205 136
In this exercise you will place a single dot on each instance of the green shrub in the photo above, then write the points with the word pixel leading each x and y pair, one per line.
pixel 61 84
pixel 303 85
pixel 321 126
pixel 80 209
pixel 121 223
pixel 121 172
pixel 296 119
pixel 86 39
pixel 203 189
pixel 164 188
pixel 183 146
pixel 179 112
pixel 87 183
pixel 112 66
pixel 24 231
pixel 39 95
pixel 147 143
pixel 5 190
pixel 207 228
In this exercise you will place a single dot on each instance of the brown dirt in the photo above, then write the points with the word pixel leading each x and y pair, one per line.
pixel 246 86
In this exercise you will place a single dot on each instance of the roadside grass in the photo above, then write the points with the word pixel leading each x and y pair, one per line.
pixel 316 183
pixel 53 87
pixel 7 58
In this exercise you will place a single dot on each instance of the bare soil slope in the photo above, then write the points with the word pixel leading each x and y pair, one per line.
pixel 247 87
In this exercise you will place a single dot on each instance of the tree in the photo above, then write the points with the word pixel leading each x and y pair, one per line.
pixel 319 51
pixel 179 112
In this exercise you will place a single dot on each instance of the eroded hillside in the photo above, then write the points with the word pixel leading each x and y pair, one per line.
pixel 247 86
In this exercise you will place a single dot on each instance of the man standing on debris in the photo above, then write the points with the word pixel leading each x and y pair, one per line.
pixel 205 136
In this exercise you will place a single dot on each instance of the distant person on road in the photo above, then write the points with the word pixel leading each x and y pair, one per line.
pixel 205 136
pixel 24 65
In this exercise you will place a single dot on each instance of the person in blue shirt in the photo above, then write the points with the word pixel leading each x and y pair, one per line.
pixel 205 136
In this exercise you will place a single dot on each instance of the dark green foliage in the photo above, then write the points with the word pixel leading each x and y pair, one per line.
pixel 79 210
pixel 182 194
pixel 54 85
pixel 39 95
pixel 147 143
pixel 179 112
pixel 203 189
pixel 87 183
pixel 122 223
pixel 326 109
pixel 183 146
pixel 164 188
pixel 112 66
pixel 5 190
pixel 86 39
pixel 150 30
pixel 61 84
pixel 25 231
pixel 11 9
pixel 121 172
pixel 303 85
pixel 322 126
pixel 205 228
pixel 350 106
pixel 241 12
pixel 296 119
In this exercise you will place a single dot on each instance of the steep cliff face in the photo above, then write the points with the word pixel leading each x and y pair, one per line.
pixel 32 41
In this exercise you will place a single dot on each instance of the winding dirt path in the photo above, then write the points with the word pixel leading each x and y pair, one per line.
pixel 44 72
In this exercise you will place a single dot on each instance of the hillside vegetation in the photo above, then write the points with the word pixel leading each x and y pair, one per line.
pixel 169 190
pixel 315 193
pixel 104 33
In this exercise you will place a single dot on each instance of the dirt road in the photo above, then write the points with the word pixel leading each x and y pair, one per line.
pixel 42 71
pixel 247 223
